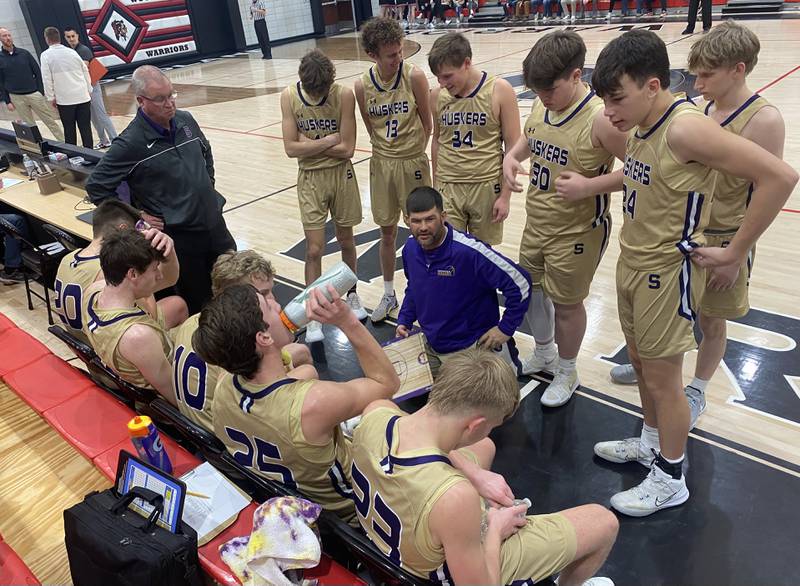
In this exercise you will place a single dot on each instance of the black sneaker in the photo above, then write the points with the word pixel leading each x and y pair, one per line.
pixel 11 277
pixel 688 31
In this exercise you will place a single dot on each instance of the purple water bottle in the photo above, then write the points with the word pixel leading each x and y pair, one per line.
pixel 147 442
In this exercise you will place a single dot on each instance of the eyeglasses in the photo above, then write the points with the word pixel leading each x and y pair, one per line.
pixel 161 100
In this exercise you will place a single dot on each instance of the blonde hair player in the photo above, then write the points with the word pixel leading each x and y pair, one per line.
pixel 319 130
pixel 567 139
pixel 668 182
pixel 392 97
pixel 721 60
pixel 420 480
pixel 474 115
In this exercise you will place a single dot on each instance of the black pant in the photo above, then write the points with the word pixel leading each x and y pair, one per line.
pixel 263 37
pixel 82 114
pixel 705 7
pixel 197 251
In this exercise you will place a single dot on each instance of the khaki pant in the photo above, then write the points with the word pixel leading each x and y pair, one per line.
pixel 25 106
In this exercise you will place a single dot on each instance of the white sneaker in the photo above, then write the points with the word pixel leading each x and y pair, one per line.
pixel 656 492
pixel 608 16
pixel 314 332
pixel 624 374
pixel 598 581
pixel 697 404
pixel 349 426
pixel 627 450
pixel 574 18
pixel 385 305
pixel 355 304
pixel 561 389
pixel 537 363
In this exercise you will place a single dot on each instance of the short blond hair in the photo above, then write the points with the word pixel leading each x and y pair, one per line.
pixel 239 268
pixel 725 45
pixel 451 49
pixel 475 382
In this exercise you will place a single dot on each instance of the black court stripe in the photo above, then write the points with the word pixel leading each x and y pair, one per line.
pixel 700 433
pixel 276 192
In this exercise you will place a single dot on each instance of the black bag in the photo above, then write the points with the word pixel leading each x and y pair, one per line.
pixel 109 544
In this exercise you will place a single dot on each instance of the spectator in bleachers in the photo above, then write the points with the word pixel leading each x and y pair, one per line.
pixel 80 269
pixel 624 9
pixel 287 425
pixel 125 336
pixel 194 380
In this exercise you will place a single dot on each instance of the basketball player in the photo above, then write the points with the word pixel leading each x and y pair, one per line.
pixel 721 60
pixel 667 189
pixel 319 130
pixel 81 268
pixel 419 481
pixel 286 425
pixel 392 96
pixel 566 134
pixel 126 338
pixel 194 380
pixel 474 115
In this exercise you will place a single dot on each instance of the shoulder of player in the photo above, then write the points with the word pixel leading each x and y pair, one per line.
pixel 435 93
pixel 137 338
pixel 457 508
pixel 766 121
pixel 686 133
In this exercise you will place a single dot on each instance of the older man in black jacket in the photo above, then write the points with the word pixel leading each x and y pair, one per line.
pixel 167 162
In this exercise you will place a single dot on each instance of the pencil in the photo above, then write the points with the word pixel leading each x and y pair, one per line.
pixel 197 494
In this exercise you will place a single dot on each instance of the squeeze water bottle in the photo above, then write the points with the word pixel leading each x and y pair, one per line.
pixel 339 276
pixel 147 442
pixel 30 166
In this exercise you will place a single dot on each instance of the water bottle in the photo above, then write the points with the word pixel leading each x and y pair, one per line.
pixel 30 166
pixel 339 276
pixel 147 442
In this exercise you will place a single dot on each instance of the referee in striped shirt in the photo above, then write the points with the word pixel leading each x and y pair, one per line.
pixel 258 14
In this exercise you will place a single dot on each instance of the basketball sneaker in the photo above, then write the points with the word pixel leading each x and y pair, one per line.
pixel 561 389
pixel 538 361
pixel 349 426
pixel 656 492
pixel 624 374
pixel 355 304
pixel 314 332
pixel 627 450
pixel 697 404
pixel 385 305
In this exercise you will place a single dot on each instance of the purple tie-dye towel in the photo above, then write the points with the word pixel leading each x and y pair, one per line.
pixel 282 539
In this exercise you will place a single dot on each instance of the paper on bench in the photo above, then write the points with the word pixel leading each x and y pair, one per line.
pixel 211 516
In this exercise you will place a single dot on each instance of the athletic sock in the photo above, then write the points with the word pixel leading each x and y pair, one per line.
pixel 649 438
pixel 388 288
pixel 547 350
pixel 567 365
pixel 699 384
pixel 672 467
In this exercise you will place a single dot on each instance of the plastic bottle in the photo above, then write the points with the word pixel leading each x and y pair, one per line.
pixel 30 166
pixel 339 275
pixel 147 442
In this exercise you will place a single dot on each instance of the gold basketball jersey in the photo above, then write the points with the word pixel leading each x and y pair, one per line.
pixel 666 203
pixel 193 380
pixel 397 131
pixel 105 327
pixel 394 493
pixel 261 428
pixel 315 120
pixel 732 194
pixel 75 274
pixel 470 138
pixel 561 143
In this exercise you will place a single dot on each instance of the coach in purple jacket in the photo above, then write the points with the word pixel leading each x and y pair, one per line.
pixel 453 280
